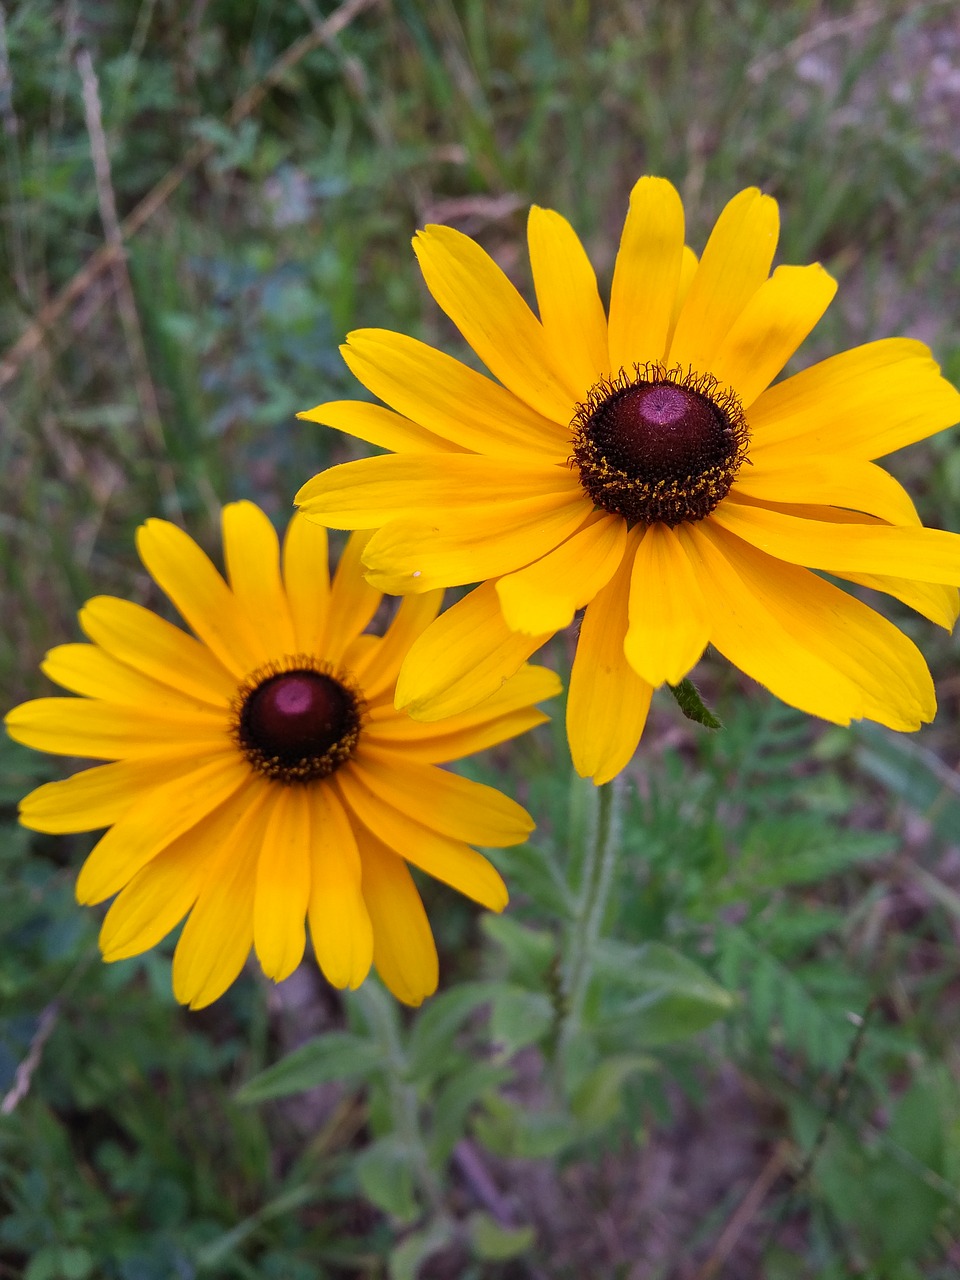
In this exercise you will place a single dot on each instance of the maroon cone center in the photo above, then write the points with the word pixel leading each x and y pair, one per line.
pixel 297 714
pixel 661 431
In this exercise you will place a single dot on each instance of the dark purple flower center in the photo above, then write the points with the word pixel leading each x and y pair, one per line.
pixel 297 725
pixel 658 446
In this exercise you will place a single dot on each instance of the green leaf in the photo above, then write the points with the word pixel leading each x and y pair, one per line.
pixel 510 1130
pixel 915 774
pixel 519 1017
pixel 432 1035
pixel 599 1098
pixel 692 705
pixel 655 995
pixel 337 1055
pixel 454 1101
pixel 529 952
pixel 495 1243
pixel 406 1259
pixel 534 870
pixel 384 1173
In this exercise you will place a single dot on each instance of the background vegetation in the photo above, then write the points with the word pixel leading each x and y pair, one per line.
pixel 761 1077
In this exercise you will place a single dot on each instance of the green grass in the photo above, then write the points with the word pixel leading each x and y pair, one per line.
pixel 808 871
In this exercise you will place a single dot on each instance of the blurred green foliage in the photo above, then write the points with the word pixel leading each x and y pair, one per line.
pixel 778 879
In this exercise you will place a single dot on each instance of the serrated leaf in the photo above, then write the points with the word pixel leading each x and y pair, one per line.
pixel 337 1055
pixel 688 699
pixel 495 1243
pixel 384 1172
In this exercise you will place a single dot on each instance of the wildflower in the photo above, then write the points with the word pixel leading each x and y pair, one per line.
pixel 641 464
pixel 261 776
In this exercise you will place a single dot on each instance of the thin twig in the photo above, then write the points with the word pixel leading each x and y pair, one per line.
pixel 837 1099
pixel 24 1073
pixel 126 299
pixel 32 338
pixel 744 1213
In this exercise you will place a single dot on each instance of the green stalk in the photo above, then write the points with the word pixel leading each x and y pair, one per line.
pixel 601 834
pixel 381 1018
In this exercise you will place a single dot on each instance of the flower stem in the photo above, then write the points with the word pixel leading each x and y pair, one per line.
pixel 381 1018
pixel 601 835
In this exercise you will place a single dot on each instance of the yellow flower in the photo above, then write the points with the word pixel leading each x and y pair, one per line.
pixel 641 464
pixel 262 776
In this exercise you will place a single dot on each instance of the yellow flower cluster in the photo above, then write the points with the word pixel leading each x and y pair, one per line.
pixel 278 767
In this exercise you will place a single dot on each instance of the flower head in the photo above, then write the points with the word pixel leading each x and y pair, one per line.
pixel 639 462
pixel 261 776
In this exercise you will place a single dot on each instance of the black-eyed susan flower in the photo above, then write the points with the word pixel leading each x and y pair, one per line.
pixel 638 461
pixel 260 775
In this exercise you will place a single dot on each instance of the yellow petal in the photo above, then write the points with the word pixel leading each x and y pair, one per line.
pixel 306 578
pixel 403 947
pixel 471 544
pixel 469 286
pixel 451 400
pixel 571 312
pixel 96 798
pixel 162 892
pixel 91 671
pixel 688 269
pixel 283 884
pixel 445 802
pixel 770 328
pixel 135 636
pixel 251 550
pixel 197 591
pixel 863 403
pixel 669 625
pixel 926 555
pixel 938 603
pixel 218 935
pixel 506 713
pixel 545 595
pixel 646 274
pixel 826 480
pixel 159 818
pixel 440 856
pixel 97 730
pixel 372 491
pixel 735 263
pixel 378 672
pixel 379 426
pixel 807 641
pixel 462 658
pixel 353 602
pixel 339 921
pixel 433 744
pixel 608 702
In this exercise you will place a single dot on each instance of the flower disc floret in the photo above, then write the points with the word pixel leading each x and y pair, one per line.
pixel 297 720
pixel 659 445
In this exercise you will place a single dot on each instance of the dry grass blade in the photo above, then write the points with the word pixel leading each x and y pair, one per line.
pixel 107 255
